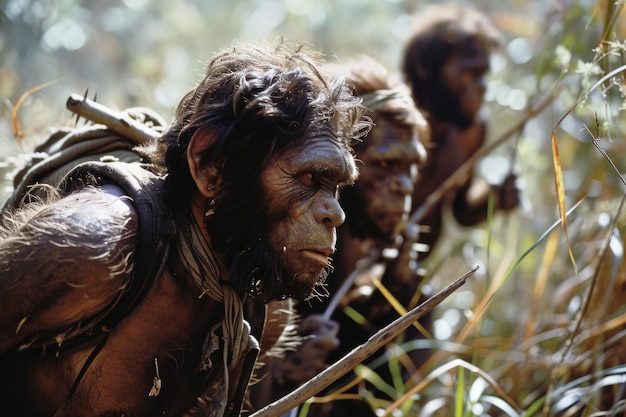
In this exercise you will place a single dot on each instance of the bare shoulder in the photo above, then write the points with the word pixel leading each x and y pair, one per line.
pixel 64 260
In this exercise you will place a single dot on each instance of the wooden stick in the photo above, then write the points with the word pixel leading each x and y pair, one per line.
pixel 421 212
pixel 358 354
pixel 462 171
pixel 362 266
pixel 116 121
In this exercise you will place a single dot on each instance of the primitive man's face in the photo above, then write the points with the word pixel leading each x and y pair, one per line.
pixel 390 155
pixel 302 186
pixel 464 76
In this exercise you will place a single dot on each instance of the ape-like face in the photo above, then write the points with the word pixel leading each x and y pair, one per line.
pixel 390 155
pixel 302 187
pixel 276 231
pixel 462 86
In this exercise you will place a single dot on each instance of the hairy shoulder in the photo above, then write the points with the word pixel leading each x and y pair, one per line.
pixel 64 260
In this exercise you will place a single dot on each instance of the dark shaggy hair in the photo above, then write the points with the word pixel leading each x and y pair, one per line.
pixel 442 31
pixel 255 100
pixel 366 76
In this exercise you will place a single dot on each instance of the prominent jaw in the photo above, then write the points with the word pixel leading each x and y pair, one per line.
pixel 305 269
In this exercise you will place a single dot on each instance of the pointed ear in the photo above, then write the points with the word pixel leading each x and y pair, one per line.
pixel 206 176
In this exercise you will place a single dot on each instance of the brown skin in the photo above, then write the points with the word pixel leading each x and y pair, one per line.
pixel 311 212
pixel 389 169
pixel 449 90
pixel 389 158
pixel 66 259
pixel 304 183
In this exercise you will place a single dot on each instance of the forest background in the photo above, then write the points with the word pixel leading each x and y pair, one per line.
pixel 539 329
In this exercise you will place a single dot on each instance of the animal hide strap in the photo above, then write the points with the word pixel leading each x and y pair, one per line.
pixel 198 257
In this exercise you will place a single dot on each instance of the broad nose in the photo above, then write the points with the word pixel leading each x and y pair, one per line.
pixel 329 212
pixel 402 184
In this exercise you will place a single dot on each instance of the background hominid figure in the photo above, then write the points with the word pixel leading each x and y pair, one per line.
pixel 445 63
pixel 255 158
pixel 377 208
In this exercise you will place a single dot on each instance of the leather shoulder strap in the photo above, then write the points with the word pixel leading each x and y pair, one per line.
pixel 156 228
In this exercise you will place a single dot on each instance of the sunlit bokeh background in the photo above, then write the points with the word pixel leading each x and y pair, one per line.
pixel 149 53
pixel 140 52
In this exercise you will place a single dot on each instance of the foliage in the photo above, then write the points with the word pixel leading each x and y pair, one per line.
pixel 540 329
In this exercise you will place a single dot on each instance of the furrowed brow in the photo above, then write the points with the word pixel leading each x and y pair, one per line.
pixel 341 176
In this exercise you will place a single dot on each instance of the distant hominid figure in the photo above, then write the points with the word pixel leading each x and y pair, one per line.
pixel 445 63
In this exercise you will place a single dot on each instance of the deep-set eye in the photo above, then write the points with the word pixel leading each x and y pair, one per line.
pixel 390 165
pixel 309 179
pixel 382 164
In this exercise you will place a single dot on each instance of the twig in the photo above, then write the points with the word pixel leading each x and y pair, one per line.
pixel 116 121
pixel 462 171
pixel 421 212
pixel 18 133
pixel 361 267
pixel 358 354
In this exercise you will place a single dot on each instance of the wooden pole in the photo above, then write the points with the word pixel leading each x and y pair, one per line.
pixel 117 122
pixel 461 172
pixel 358 354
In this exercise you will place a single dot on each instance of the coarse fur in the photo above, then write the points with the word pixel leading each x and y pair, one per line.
pixel 253 164
pixel 47 236
pixel 250 127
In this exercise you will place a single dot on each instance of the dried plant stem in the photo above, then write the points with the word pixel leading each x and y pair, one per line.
pixel 582 313
pixel 358 354
pixel 462 171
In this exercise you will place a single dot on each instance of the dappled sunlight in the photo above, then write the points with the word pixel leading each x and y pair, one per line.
pixel 539 329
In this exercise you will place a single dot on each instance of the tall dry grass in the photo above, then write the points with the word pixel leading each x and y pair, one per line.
pixel 542 330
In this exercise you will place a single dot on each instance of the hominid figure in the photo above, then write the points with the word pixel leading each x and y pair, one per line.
pixel 246 180
pixel 377 209
pixel 445 63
